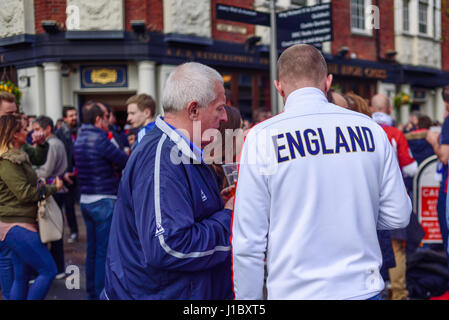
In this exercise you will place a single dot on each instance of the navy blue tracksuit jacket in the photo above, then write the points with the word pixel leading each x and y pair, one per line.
pixel 170 234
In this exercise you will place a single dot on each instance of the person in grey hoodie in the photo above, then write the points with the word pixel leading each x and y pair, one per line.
pixel 55 166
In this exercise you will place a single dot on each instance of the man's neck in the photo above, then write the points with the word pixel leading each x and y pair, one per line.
pixel 148 121
pixel 181 124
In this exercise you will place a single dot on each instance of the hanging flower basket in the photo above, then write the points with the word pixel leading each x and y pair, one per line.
pixel 401 99
pixel 11 87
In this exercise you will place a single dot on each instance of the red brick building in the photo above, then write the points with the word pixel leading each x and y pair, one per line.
pixel 69 51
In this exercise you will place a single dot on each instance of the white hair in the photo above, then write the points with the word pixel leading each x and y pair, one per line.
pixel 189 82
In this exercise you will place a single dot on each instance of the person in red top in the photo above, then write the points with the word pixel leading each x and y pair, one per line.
pixel 381 114
pixel 381 108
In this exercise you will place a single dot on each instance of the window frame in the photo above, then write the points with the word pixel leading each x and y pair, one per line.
pixel 356 29
pixel 424 23
pixel 406 17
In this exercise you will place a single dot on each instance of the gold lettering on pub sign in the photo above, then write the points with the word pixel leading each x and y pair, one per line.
pixel 375 73
pixel 355 71
pixel 351 71
pixel 216 56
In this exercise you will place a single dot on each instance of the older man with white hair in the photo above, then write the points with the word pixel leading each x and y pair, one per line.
pixel 170 231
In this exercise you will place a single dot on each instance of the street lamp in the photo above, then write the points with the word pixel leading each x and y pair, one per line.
pixel 273 58
pixel 271 6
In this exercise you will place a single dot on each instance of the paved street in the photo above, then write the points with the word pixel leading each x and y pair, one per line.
pixel 75 255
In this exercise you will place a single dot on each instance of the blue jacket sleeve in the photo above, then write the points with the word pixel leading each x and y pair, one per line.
pixel 170 236
pixel 114 154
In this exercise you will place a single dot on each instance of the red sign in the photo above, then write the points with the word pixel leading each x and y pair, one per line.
pixel 429 215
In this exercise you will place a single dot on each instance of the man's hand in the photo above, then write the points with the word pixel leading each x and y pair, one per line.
pixel 68 176
pixel 441 150
pixel 58 183
pixel 230 203
pixel 433 137
pixel 227 193
pixel 228 197
pixel 38 138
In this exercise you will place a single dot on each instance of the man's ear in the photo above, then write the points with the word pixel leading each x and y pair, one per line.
pixel 390 109
pixel 278 86
pixel 98 120
pixel 193 111
pixel 147 113
pixel 329 79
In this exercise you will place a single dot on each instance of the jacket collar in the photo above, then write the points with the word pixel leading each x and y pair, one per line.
pixel 182 142
pixel 383 119
pixel 298 100
pixel 91 127
pixel 16 156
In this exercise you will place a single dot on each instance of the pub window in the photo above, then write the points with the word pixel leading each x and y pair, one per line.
pixel 435 14
pixel 422 16
pixel 406 15
pixel 359 16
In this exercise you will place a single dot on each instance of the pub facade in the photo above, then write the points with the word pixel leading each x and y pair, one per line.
pixel 66 52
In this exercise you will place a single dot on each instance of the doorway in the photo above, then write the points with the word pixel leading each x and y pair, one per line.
pixel 117 102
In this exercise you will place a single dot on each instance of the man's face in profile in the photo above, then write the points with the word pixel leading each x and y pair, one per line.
pixel 214 114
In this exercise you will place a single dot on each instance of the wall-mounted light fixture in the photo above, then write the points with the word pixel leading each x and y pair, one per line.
pixel 391 54
pixel 138 26
pixel 24 81
pixel 251 42
pixel 343 52
pixel 50 26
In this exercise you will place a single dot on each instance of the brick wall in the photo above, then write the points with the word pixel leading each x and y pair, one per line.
pixel 148 10
pixel 364 46
pixel 49 10
pixel 445 35
pixel 220 27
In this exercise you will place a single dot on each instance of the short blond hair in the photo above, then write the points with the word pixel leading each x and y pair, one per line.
pixel 143 101
pixel 302 63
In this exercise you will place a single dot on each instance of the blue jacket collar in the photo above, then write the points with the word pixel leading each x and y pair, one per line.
pixel 150 125
pixel 185 145
pixel 91 127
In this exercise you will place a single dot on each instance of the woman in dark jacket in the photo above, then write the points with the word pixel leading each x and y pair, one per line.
pixel 19 196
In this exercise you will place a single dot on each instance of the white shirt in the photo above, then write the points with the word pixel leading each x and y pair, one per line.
pixel 314 209
pixel 91 198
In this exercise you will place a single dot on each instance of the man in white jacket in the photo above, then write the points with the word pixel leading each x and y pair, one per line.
pixel 314 184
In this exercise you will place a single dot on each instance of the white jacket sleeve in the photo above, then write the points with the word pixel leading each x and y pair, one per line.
pixel 395 205
pixel 250 225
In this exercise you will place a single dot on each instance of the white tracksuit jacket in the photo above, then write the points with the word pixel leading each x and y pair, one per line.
pixel 314 184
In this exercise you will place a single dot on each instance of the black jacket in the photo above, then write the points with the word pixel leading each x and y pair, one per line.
pixel 65 135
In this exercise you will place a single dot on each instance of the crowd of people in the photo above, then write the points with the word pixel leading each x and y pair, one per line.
pixel 321 209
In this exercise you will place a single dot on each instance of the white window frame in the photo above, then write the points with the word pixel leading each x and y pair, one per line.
pixel 406 4
pixel 359 31
pixel 432 19
pixel 436 7
pixel 426 16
